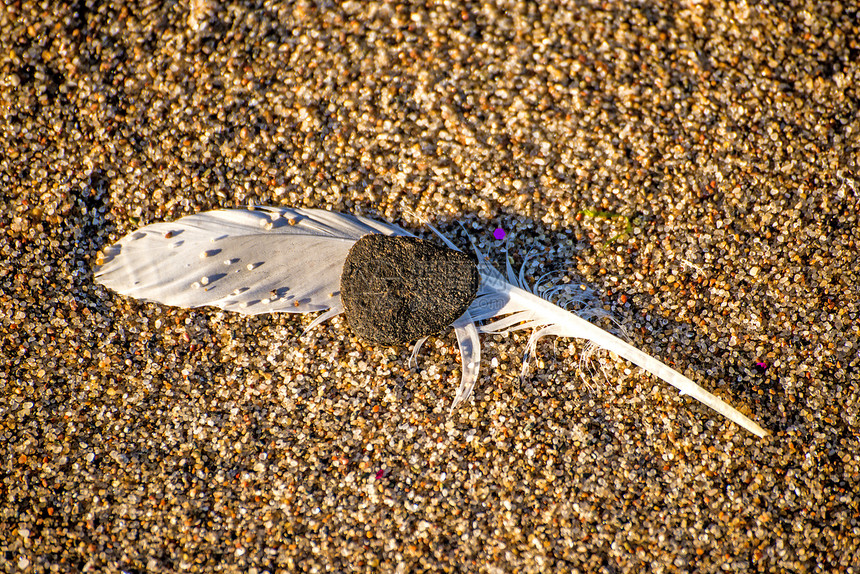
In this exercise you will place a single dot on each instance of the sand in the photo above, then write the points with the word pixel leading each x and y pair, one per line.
pixel 694 164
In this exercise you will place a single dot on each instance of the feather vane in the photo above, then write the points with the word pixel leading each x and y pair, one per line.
pixel 250 261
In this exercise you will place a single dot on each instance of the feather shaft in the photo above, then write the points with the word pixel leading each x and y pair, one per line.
pixel 570 325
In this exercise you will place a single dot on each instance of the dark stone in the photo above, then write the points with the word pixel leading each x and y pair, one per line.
pixel 399 289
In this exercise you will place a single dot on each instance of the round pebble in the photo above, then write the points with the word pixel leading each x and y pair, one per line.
pixel 399 289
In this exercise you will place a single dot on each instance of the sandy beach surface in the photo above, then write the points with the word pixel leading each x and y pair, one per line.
pixel 694 163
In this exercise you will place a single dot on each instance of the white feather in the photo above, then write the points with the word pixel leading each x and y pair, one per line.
pixel 250 261
pixel 266 260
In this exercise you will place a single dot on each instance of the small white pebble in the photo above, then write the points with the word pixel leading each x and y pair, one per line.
pixel 195 285
pixel 204 281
